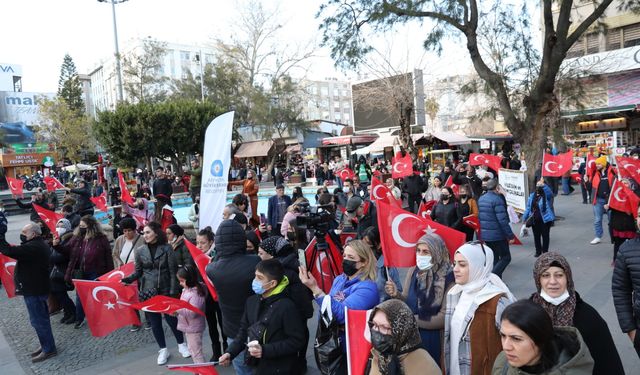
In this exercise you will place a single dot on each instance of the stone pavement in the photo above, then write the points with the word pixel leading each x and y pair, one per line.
pixel 128 353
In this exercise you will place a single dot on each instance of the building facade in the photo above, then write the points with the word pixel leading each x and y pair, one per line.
pixel 328 100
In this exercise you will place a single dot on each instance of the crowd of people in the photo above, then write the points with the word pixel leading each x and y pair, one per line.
pixel 451 313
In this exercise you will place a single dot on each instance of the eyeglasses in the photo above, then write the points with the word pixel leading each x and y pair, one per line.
pixel 382 329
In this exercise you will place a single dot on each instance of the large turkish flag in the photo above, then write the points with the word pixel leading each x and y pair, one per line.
pixel 491 161
pixel 15 185
pixel 557 165
pixel 106 305
pixel 623 199
pixel 201 260
pixel 164 305
pixel 124 192
pixel 629 167
pixel 402 166
pixel 119 273
pixel 7 268
pixel 49 217
pixel 380 192
pixel 53 183
pixel 358 340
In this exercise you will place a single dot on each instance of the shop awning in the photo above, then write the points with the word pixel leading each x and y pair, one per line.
pixel 453 139
pixel 254 149
pixel 349 139
pixel 292 149
pixel 384 141
pixel 597 111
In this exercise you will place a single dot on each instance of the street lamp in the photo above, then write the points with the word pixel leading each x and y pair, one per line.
pixel 119 94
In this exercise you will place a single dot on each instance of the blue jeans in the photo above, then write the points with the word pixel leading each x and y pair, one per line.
pixel 238 362
pixel 39 318
pixel 79 309
pixel 501 256
pixel 566 186
pixel 598 214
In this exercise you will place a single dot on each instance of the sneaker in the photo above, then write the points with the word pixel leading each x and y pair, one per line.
pixel 79 324
pixel 596 241
pixel 134 329
pixel 147 326
pixel 163 356
pixel 184 351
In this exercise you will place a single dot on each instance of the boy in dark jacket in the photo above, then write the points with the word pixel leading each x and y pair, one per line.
pixel 274 339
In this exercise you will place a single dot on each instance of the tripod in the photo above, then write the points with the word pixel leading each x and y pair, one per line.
pixel 318 252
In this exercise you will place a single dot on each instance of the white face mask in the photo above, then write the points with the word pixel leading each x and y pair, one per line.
pixel 554 300
pixel 61 231
pixel 423 262
pixel 347 189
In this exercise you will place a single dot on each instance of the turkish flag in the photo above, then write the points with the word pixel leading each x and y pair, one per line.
pixel 164 305
pixel 453 186
pixel 345 173
pixel 576 177
pixel 124 192
pixel 167 217
pixel 7 267
pixel 557 165
pixel 491 161
pixel 358 339
pixel 52 183
pixel 516 241
pixel 345 237
pixel 472 222
pixel 591 165
pixel 400 231
pixel 119 273
pixel 425 208
pixel 49 217
pixel 201 260
pixel 100 202
pixel 15 185
pixel 380 191
pixel 402 166
pixel 623 199
pixel 207 368
pixel 106 305
pixel 629 167
pixel 324 268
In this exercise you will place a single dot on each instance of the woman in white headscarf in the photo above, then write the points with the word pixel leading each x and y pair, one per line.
pixel 473 311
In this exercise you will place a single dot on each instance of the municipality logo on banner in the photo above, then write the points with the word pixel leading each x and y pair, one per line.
pixel 215 170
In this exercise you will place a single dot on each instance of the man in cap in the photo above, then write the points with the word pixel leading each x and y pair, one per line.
pixel 601 182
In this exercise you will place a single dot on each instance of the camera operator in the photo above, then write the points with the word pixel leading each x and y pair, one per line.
pixel 359 216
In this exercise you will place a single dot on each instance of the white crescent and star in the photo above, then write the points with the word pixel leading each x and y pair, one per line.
pixel 44 217
pixel 396 165
pixel 149 309
pixel 116 273
pixel 548 164
pixel 375 192
pixel 97 289
pixel 7 265
pixel 617 196
pixel 395 230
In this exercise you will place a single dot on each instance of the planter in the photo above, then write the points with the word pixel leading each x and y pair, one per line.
pixel 295 179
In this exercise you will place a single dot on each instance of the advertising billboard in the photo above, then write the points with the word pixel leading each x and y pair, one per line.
pixel 18 115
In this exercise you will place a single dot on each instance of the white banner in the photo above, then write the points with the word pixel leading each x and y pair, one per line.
pixel 515 188
pixel 215 170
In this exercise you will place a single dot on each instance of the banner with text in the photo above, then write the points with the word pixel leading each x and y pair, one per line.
pixel 215 170
pixel 515 188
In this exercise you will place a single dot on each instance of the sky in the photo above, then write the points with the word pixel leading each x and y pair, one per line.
pixel 38 33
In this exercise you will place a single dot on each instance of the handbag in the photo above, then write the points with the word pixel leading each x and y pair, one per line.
pixel 327 351
pixel 529 222
pixel 146 294
pixel 78 273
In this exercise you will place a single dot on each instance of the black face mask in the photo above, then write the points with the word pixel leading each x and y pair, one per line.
pixel 23 238
pixel 349 267
pixel 484 188
pixel 539 190
pixel 381 342
pixel 82 231
pixel 445 198
pixel 463 196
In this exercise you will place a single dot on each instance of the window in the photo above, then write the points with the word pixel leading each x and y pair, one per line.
pixel 324 91
pixel 346 105
pixel 324 103
pixel 337 117
pixel 347 117
pixel 336 92
pixel 345 92
pixel 631 35
pixel 577 49
pixel 593 45
pixel 614 37
pixel 185 55
pixel 314 90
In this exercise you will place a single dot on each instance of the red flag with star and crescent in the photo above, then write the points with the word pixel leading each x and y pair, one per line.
pixel 164 305
pixel 623 199
pixel 106 305
pixel 324 268
pixel 15 185
pixel 207 368
pixel 425 208
pixel 125 197
pixel 345 173
pixel 491 161
pixel 591 165
pixel 101 202
pixel 358 339
pixel 629 168
pixel 380 192
pixel 201 260
pixel 557 165
pixel 453 186
pixel 401 166
pixel 7 268
pixel 400 231
pixel 119 273
pixel 52 183
pixel 49 217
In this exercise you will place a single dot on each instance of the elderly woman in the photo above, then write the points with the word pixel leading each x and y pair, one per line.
pixel 425 288
pixel 556 294
pixel 474 308
pixel 396 342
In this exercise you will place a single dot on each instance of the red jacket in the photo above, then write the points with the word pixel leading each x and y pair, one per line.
pixel 595 181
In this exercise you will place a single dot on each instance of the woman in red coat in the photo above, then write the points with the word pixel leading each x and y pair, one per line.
pixel 250 187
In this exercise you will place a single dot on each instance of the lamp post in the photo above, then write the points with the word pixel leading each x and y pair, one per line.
pixel 119 93
pixel 199 58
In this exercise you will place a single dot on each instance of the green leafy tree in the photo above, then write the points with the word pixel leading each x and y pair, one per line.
pixel 69 86
pixel 66 127
pixel 498 38
pixel 143 81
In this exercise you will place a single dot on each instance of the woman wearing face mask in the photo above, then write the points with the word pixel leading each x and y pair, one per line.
pixel 155 271
pixel 445 212
pixel 466 206
pixel 59 263
pixel 531 345
pixel 355 288
pixel 89 255
pixel 396 342
pixel 434 191
pixel 425 288
pixel 474 306
pixel 175 237
pixel 557 295
pixel 540 214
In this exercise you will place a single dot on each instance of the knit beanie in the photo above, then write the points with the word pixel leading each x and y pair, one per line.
pixel 602 160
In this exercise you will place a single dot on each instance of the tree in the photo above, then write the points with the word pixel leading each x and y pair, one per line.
pixel 69 86
pixel 66 127
pixel 522 79
pixel 432 107
pixel 143 81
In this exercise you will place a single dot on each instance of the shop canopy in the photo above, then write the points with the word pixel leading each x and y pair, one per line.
pixel 453 139
pixel 292 149
pixel 74 168
pixel 254 149
pixel 383 142
pixel 349 140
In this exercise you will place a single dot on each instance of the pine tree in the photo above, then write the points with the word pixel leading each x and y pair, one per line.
pixel 69 87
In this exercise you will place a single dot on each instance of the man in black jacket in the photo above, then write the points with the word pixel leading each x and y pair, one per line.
pixel 31 276
pixel 162 184
pixel 466 175
pixel 232 274
pixel 273 338
pixel 414 186
pixel 84 206
pixel 37 198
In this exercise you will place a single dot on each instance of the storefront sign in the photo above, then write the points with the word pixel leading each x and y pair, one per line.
pixel 515 188
pixel 485 144
pixel 14 160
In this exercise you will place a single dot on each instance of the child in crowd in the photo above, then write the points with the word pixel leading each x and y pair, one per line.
pixel 190 323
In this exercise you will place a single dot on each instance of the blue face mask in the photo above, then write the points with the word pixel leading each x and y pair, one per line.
pixel 257 287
